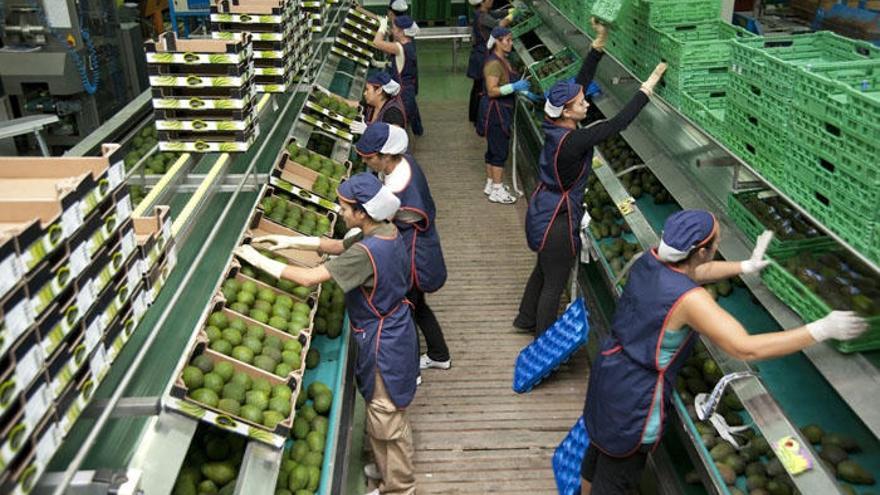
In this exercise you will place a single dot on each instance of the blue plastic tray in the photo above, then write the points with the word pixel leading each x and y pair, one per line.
pixel 568 458
pixel 540 358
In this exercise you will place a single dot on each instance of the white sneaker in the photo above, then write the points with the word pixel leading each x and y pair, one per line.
pixel 501 194
pixel 488 189
pixel 425 362
pixel 371 471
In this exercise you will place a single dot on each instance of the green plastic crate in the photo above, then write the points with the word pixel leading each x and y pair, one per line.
pixel 842 148
pixel 759 142
pixel 571 64
pixel 527 23
pixel 704 44
pixel 845 95
pixel 606 10
pixel 706 108
pixel 811 307
pixel 670 12
pixel 771 106
pixel 752 227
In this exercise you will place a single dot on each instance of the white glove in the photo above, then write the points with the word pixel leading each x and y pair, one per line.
pixel 279 242
pixel 357 127
pixel 585 240
pixel 352 232
pixel 383 25
pixel 756 262
pixel 249 254
pixel 379 64
pixel 840 325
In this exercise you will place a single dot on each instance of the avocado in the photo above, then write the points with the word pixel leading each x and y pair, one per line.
pixel 307 412
pixel 777 488
pixel 242 379
pixel 221 346
pixel 262 385
pixel 225 370
pixel 299 478
pixel 323 403
pixel 243 354
pixel 314 478
pixel 206 396
pixel 231 335
pixel 774 467
pixel 850 471
pixel 833 454
pixel 283 369
pixel 760 445
pixel 258 399
pixel 315 441
pixel 313 459
pixel 301 427
pixel 298 451
pixel 756 481
pixel 732 402
pixel 280 405
pixel 193 377
pixel 320 424
pixel 265 363
pixel 736 463
pixel 317 388
pixel 272 353
pixel 203 363
pixel 813 433
pixel 721 451
pixel 755 468
pixel 219 472
pixel 214 382
pixel 727 473
pixel 252 414
pixel 272 418
pixel 234 391
pixel 230 406
pixel 313 357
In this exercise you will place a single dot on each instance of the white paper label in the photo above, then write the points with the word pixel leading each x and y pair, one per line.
pixel 71 220
pixel 47 445
pixel 139 306
pixel 123 209
pixel 85 297
pixel 29 365
pixel 166 230
pixel 19 318
pixel 9 273
pixel 115 174
pixel 98 362
pixel 37 405
pixel 128 243
pixel 133 276
pixel 93 335
pixel 79 259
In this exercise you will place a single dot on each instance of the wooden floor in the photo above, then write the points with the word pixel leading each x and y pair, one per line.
pixel 473 434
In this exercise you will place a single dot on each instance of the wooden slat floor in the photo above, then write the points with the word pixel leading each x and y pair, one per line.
pixel 473 434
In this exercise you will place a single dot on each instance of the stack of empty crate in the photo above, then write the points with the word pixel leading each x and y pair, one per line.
pixel 278 34
pixel 355 38
pixel 316 13
pixel 205 91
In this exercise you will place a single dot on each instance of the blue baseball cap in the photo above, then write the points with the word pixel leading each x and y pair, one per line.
pixel 384 138
pixel 385 81
pixel 685 231
pixel 365 189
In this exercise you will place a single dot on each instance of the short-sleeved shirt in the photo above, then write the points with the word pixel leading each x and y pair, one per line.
pixel 353 268
pixel 496 68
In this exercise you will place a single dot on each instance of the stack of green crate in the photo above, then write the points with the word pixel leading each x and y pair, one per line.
pixel 835 149
pixel 764 71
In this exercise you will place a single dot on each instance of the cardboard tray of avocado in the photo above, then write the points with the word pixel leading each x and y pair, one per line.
pixel 269 306
pixel 294 213
pixel 248 272
pixel 317 160
pixel 261 226
pixel 306 178
pixel 235 396
pixel 302 461
pixel 332 105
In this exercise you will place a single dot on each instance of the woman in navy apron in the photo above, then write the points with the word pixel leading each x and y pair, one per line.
pixel 373 269
pixel 382 103
pixel 485 19
pixel 662 309
pixel 495 113
pixel 556 206
pixel 383 149
pixel 404 64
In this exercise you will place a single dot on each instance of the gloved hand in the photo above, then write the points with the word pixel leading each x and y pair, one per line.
pixel 521 85
pixel 352 232
pixel 279 242
pixel 601 34
pixel 249 254
pixel 653 79
pixel 756 262
pixel 357 127
pixel 511 14
pixel 379 64
pixel 586 249
pixel 840 325
pixel 383 25
pixel 534 98
pixel 593 89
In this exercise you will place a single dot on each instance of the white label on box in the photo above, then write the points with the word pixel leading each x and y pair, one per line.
pixel 29 365
pixel 139 305
pixel 47 445
pixel 19 318
pixel 128 243
pixel 79 259
pixel 71 220
pixel 166 230
pixel 85 297
pixel 10 273
pixel 98 363
pixel 93 335
pixel 133 276
pixel 115 174
pixel 37 406
pixel 171 259
pixel 123 209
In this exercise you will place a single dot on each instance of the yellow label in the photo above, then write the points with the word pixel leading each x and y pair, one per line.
pixel 792 456
pixel 626 206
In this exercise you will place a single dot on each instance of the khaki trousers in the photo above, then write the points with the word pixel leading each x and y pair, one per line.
pixel 390 438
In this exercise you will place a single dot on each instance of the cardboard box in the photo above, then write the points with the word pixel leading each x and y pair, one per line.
pixel 260 226
pixel 291 201
pixel 16 316
pixel 59 321
pixel 29 360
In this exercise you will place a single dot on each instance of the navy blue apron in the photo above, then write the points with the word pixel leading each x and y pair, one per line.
pixel 428 268
pixel 479 37
pixel 371 115
pixel 408 78
pixel 496 111
pixel 551 198
pixel 382 323
pixel 625 376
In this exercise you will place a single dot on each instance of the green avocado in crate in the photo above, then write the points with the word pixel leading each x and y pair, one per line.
pixel 818 280
pixel 526 21
pixel 561 65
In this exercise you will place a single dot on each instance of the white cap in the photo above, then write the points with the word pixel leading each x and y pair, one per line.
pixel 399 6
pixel 474 3
pixel 669 254
pixel 551 110
pixel 412 31
pixel 397 141
pixel 392 88
pixel 383 205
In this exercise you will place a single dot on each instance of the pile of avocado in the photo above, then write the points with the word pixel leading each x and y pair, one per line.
pixel 843 282
pixel 211 464
pixel 835 450
pixel 331 310
pixel 265 306
pixel 337 105
pixel 620 156
pixel 249 344
pixel 775 214
pixel 316 162
pixel 287 286
pixel 219 385
pixel 295 217
pixel 300 472
pixel 141 145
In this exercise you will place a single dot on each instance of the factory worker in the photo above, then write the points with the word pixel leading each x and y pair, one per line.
pixel 662 310
pixel 485 20
pixel 404 64
pixel 383 103
pixel 374 271
pixel 383 149
pixel 556 207
pixel 495 113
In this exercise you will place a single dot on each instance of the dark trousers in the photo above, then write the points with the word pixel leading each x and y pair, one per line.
pixel 614 475
pixel 474 103
pixel 539 307
pixel 429 325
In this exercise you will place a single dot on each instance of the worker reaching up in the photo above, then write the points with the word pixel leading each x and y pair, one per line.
pixel 404 63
